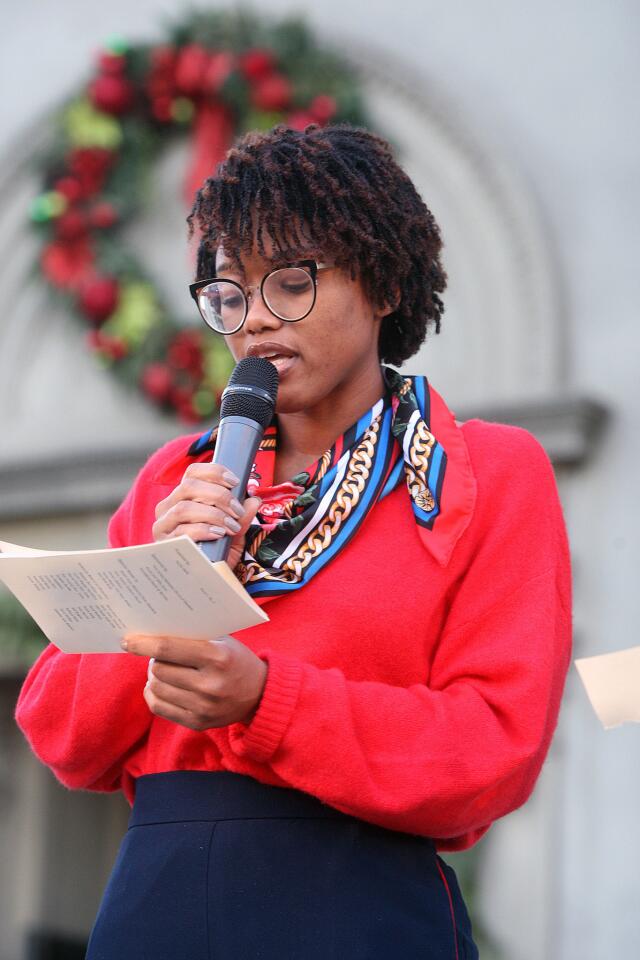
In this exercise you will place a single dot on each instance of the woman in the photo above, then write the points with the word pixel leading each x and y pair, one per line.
pixel 292 785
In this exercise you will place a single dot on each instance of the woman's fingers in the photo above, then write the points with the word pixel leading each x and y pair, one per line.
pixel 200 684
pixel 202 506
pixel 214 526
pixel 217 500
pixel 207 482
pixel 184 651
pixel 196 531
pixel 191 512
pixel 170 711
pixel 191 488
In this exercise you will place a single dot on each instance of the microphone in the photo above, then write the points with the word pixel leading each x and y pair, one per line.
pixel 248 402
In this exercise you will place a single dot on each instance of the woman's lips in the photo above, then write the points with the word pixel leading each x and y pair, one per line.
pixel 282 364
pixel 282 357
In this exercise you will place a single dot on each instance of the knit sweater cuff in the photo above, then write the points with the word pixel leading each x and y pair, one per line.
pixel 261 738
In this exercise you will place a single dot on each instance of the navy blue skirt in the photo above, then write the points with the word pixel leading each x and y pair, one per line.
pixel 216 866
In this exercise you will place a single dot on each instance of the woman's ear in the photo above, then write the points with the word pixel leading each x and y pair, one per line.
pixel 390 303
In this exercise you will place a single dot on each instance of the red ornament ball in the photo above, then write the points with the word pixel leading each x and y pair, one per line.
pixel 66 264
pixel 71 225
pixel 161 109
pixel 218 69
pixel 185 352
pixel 300 120
pixel 272 93
pixel 111 93
pixel 157 381
pixel 163 58
pixel 256 64
pixel 90 160
pixel 99 298
pixel 181 399
pixel 114 347
pixel 323 108
pixel 103 215
pixel 69 187
pixel 89 167
pixel 191 67
pixel 113 63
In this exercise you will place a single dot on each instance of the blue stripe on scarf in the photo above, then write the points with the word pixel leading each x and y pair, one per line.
pixel 363 424
pixel 394 478
pixel 369 494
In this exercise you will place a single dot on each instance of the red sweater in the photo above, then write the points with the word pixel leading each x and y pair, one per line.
pixel 417 693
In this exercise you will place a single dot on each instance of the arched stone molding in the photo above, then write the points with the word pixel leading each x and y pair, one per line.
pixel 504 327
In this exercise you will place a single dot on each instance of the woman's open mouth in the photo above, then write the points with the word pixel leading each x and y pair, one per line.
pixel 280 356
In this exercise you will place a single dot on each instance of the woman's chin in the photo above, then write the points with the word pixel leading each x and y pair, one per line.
pixel 291 399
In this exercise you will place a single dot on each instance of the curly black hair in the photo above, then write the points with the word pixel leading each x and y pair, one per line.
pixel 334 193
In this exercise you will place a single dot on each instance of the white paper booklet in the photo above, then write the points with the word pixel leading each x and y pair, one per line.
pixel 612 682
pixel 85 601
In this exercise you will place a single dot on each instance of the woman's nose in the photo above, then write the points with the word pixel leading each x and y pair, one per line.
pixel 259 317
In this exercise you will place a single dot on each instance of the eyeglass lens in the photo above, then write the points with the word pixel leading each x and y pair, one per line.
pixel 289 294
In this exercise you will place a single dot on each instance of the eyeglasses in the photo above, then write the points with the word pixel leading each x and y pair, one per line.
pixel 288 292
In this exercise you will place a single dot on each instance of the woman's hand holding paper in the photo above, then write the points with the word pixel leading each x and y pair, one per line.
pixel 200 684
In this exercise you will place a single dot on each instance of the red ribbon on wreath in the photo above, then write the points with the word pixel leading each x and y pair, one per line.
pixel 212 137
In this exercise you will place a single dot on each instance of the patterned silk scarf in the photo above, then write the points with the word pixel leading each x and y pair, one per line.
pixel 303 523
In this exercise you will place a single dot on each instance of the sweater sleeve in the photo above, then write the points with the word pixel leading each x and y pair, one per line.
pixel 445 758
pixel 83 714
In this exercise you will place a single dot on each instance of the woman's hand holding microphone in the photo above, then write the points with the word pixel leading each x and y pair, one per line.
pixel 192 682
pixel 202 506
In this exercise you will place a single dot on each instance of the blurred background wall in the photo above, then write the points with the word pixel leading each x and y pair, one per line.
pixel 518 122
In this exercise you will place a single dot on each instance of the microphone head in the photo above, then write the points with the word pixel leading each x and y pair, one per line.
pixel 252 391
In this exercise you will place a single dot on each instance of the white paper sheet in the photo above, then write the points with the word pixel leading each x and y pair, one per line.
pixel 612 682
pixel 86 601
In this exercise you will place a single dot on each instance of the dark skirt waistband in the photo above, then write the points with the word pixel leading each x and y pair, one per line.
pixel 184 795
pixel 229 868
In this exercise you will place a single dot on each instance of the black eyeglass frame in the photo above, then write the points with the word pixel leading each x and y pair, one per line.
pixel 314 269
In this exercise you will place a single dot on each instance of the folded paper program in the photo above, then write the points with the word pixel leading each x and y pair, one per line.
pixel 86 601
pixel 612 682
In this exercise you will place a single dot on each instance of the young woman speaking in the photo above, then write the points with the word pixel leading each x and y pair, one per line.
pixel 292 786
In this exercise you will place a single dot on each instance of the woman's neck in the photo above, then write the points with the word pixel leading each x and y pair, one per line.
pixel 305 435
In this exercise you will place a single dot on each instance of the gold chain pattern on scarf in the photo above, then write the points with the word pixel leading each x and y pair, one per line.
pixel 346 499
pixel 324 466
pixel 422 444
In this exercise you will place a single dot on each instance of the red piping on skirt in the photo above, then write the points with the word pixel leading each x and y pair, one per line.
pixel 453 916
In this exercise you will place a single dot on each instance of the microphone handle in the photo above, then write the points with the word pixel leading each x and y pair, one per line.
pixel 236 447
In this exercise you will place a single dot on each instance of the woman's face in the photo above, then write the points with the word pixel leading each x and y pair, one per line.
pixel 324 357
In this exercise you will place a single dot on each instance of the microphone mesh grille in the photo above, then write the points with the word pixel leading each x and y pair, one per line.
pixel 246 405
pixel 256 372
pixel 251 372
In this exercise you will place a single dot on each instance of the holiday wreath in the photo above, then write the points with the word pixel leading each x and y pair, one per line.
pixel 216 76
